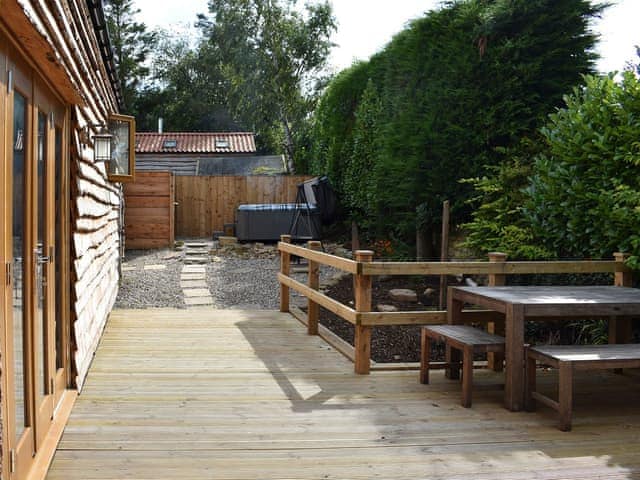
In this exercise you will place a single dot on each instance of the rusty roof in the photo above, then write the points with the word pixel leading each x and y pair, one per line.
pixel 195 142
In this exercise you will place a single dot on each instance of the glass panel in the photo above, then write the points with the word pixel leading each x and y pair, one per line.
pixel 58 249
pixel 41 253
pixel 119 164
pixel 19 141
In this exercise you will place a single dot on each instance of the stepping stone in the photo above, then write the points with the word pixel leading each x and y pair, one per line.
pixel 199 251
pixel 193 283
pixel 403 295
pixel 155 267
pixel 195 301
pixel 194 269
pixel 196 292
pixel 196 260
pixel 195 245
pixel 192 276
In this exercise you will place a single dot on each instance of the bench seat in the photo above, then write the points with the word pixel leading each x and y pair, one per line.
pixel 469 341
pixel 567 359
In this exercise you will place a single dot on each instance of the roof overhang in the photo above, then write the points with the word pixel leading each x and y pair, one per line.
pixel 17 23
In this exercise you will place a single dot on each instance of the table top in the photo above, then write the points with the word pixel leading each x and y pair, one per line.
pixel 557 295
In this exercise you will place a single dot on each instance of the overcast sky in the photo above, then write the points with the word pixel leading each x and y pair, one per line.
pixel 365 26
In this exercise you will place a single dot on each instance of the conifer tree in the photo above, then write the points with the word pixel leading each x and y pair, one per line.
pixel 132 43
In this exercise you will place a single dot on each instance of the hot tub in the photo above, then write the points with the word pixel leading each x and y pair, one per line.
pixel 266 222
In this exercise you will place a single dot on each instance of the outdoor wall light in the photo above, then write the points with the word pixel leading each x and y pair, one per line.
pixel 101 141
pixel 102 146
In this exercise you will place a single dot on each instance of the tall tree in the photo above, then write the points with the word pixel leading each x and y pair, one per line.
pixel 132 45
pixel 189 89
pixel 459 89
pixel 271 55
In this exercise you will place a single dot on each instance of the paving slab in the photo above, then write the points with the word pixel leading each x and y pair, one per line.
pixel 196 260
pixel 155 267
pixel 193 283
pixel 196 292
pixel 194 269
pixel 196 252
pixel 192 276
pixel 195 245
pixel 192 301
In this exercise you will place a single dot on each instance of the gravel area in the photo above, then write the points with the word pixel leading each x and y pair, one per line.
pixel 234 281
pixel 244 283
pixel 150 287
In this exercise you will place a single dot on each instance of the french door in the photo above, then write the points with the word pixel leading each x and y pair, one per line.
pixel 34 125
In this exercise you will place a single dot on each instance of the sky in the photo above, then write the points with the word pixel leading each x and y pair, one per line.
pixel 366 26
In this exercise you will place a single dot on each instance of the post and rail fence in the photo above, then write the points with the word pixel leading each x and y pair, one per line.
pixel 363 268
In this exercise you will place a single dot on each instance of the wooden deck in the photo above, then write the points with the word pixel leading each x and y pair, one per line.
pixel 205 394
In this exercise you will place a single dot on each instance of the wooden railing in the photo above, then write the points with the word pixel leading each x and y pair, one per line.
pixel 363 268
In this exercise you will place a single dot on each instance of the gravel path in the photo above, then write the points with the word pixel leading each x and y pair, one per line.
pixel 146 285
pixel 244 283
pixel 152 279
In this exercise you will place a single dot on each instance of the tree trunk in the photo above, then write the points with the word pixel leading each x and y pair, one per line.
pixel 288 147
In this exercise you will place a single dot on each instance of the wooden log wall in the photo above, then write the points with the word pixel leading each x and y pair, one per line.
pixel 206 204
pixel 59 41
pixel 149 211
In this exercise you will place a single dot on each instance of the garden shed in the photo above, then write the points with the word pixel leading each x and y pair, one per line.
pixel 203 153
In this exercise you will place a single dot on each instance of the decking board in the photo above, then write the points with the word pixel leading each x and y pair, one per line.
pixel 206 394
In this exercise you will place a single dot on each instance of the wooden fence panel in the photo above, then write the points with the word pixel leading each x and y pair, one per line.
pixel 149 211
pixel 207 203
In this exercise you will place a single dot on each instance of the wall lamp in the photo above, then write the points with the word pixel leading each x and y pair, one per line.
pixel 101 141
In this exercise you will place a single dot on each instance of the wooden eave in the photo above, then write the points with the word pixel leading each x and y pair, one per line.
pixel 35 46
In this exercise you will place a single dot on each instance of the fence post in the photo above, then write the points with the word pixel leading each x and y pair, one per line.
pixel 285 269
pixel 620 330
pixel 362 339
pixel 623 276
pixel 313 309
pixel 495 360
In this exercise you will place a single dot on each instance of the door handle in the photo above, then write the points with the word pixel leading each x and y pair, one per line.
pixel 43 260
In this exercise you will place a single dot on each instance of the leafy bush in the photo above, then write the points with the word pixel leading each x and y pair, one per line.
pixel 584 197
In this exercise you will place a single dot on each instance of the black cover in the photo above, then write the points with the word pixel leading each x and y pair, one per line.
pixel 326 199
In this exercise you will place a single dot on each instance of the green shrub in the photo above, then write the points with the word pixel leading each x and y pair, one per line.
pixel 584 197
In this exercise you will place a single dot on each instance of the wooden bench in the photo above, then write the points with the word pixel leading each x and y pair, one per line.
pixel 567 359
pixel 468 341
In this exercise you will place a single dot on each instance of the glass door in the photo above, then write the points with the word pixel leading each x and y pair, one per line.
pixel 21 438
pixel 43 266
pixel 34 371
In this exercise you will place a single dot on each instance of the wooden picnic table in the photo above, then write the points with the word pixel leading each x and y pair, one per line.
pixel 519 304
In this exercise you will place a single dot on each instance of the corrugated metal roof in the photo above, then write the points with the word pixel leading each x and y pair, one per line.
pixel 195 142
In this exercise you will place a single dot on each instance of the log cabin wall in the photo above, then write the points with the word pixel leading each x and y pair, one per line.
pixel 58 47
pixel 58 39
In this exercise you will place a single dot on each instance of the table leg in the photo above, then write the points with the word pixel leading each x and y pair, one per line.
pixel 565 395
pixel 620 331
pixel 425 354
pixel 454 317
pixel 514 355
pixel 467 376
